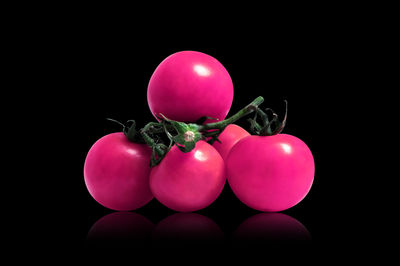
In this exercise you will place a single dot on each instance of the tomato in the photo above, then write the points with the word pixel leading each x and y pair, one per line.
pixel 229 137
pixel 189 181
pixel 117 172
pixel 270 173
pixel 189 85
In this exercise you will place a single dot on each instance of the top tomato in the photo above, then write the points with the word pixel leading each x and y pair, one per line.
pixel 189 85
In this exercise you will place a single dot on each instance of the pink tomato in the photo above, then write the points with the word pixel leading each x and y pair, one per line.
pixel 189 85
pixel 229 137
pixel 190 181
pixel 271 173
pixel 117 172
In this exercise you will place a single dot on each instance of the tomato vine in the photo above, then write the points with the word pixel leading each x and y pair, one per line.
pixel 185 135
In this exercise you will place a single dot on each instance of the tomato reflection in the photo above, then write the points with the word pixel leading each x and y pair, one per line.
pixel 187 228
pixel 270 227
pixel 120 229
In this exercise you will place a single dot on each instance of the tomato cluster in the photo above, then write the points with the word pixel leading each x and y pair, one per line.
pixel 267 172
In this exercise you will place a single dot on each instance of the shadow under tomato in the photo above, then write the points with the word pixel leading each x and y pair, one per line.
pixel 269 228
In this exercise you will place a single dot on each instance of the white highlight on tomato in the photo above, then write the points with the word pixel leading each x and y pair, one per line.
pixel 286 148
pixel 201 70
pixel 132 151
pixel 199 155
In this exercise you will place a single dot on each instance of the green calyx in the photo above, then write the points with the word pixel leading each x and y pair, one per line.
pixel 185 135
pixel 270 124
pixel 129 130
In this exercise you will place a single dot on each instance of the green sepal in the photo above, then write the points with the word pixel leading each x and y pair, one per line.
pixel 269 127
pixel 129 130
pixel 181 128
pixel 159 152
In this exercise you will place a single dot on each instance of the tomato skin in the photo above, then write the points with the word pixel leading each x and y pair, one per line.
pixel 271 173
pixel 189 85
pixel 229 137
pixel 117 173
pixel 187 182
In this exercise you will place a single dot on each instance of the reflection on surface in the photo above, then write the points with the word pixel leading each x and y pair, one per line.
pixel 187 228
pixel 120 228
pixel 268 228
pixel 126 229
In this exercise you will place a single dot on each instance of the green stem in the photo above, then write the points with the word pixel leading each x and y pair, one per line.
pixel 182 129
pixel 243 112
pixel 151 143
pixel 129 131
pixel 269 127
pixel 154 127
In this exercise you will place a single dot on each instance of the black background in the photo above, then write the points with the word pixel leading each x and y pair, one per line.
pixel 102 71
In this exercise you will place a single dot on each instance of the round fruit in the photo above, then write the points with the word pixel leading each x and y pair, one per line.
pixel 189 181
pixel 117 173
pixel 228 138
pixel 189 85
pixel 270 173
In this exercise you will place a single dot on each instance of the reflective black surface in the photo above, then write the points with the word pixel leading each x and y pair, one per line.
pixel 269 227
pixel 187 229
pixel 120 229
pixel 130 229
